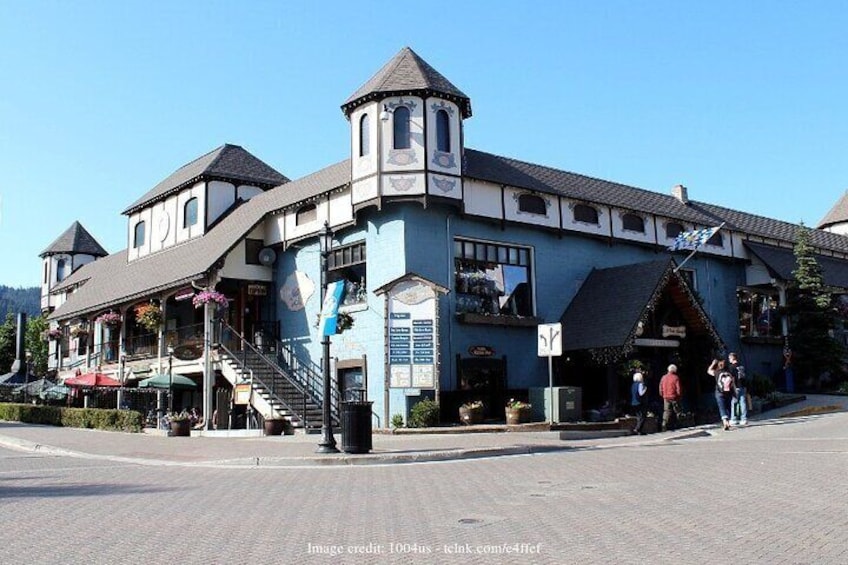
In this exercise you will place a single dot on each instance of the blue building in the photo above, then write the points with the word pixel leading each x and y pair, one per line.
pixel 449 259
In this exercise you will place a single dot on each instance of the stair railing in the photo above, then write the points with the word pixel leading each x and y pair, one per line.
pixel 308 374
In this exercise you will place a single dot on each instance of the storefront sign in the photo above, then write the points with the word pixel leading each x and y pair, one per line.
pixel 257 290
pixel 674 331
pixel 411 336
pixel 184 294
pixel 241 394
pixel 481 351
pixel 642 342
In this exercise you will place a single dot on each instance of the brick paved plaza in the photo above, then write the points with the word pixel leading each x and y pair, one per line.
pixel 771 493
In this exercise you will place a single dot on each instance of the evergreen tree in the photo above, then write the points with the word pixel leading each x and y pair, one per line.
pixel 7 344
pixel 812 317
pixel 36 344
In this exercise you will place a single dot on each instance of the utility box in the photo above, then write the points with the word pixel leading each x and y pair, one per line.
pixel 568 404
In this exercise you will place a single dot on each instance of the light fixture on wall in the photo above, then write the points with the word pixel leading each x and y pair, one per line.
pixel 384 115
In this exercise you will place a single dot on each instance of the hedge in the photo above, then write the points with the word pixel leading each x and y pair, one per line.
pixel 92 418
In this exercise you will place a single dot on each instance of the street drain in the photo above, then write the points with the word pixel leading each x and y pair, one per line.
pixel 469 521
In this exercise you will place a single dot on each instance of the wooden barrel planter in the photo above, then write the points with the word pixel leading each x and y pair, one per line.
pixel 274 427
pixel 470 416
pixel 181 428
pixel 517 416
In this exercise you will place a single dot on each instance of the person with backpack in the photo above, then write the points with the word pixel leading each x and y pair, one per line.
pixel 724 389
pixel 739 403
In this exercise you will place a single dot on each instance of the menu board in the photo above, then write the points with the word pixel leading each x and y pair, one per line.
pixel 412 342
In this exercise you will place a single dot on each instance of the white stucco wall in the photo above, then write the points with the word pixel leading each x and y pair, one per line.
pixel 549 219
pixel 397 160
pixel 365 165
pixel 235 266
pixel 221 195
pixel 482 198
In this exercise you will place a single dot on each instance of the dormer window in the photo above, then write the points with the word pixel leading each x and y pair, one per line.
pixel 632 222
pixel 401 128
pixel 672 230
pixel 364 136
pixel 532 204
pixel 190 213
pixel 443 140
pixel 138 239
pixel 306 214
pixel 585 213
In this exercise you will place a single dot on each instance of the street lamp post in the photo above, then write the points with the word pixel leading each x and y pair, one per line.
pixel 328 442
pixel 170 379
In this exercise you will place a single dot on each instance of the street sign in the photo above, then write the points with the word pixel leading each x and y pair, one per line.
pixel 550 340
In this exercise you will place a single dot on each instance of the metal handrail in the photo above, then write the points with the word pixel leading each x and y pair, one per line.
pixel 308 373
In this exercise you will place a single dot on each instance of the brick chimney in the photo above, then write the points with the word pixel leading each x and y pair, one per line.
pixel 679 192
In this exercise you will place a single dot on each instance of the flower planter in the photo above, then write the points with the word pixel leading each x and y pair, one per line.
pixel 274 427
pixel 517 416
pixel 181 428
pixel 470 416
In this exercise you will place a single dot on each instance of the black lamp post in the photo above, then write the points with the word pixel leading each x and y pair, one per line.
pixel 170 379
pixel 328 442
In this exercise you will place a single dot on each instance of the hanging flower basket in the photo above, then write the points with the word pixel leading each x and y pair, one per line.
pixel 109 318
pixel 53 335
pixel 78 331
pixel 149 316
pixel 344 321
pixel 210 297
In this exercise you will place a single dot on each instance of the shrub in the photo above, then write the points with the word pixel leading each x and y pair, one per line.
pixel 424 414
pixel 93 418
pixel 397 421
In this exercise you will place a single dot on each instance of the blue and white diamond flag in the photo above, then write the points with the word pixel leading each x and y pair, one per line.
pixel 692 239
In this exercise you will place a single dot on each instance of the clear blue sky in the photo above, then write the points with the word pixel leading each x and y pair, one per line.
pixel 745 103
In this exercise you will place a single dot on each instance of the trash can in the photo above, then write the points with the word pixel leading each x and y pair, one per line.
pixel 356 425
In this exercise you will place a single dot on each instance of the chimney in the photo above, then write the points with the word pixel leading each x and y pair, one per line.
pixel 679 192
pixel 20 366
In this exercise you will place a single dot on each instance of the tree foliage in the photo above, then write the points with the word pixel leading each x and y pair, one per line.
pixel 812 316
pixel 14 300
pixel 8 333
pixel 34 342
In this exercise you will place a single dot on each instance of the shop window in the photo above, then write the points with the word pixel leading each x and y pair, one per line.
pixel 632 222
pixel 138 239
pixel 190 213
pixel 252 247
pixel 672 230
pixel 364 136
pixel 306 214
pixel 443 141
pixel 532 204
pixel 585 213
pixel 758 313
pixel 347 263
pixel 492 279
pixel 401 128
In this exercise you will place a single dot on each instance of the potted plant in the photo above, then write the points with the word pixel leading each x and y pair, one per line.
pixel 54 334
pixel 78 331
pixel 517 411
pixel 274 425
pixel 344 321
pixel 110 318
pixel 210 297
pixel 180 423
pixel 149 316
pixel 471 413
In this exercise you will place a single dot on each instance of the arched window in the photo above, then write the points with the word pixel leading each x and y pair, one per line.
pixel 443 140
pixel 364 135
pixel 585 213
pixel 45 272
pixel 190 213
pixel 672 230
pixel 401 128
pixel 138 240
pixel 532 204
pixel 61 268
pixel 632 222
pixel 306 214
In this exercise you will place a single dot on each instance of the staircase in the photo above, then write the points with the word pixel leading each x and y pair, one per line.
pixel 288 390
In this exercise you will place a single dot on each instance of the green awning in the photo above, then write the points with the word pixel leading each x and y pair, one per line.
pixel 160 380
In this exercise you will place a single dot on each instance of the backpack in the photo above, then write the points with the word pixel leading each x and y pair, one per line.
pixel 724 382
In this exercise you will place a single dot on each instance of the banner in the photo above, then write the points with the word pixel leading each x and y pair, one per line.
pixel 330 308
pixel 692 239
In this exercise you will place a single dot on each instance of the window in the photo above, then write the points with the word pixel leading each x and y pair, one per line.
pixel 689 276
pixel 632 222
pixel 138 239
pixel 252 247
pixel 364 136
pixel 758 313
pixel 401 128
pixel 585 213
pixel 45 272
pixel 716 240
pixel 532 204
pixel 347 263
pixel 190 213
pixel 492 278
pixel 443 140
pixel 672 230
pixel 61 270
pixel 306 214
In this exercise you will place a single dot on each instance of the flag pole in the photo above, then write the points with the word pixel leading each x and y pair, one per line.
pixel 677 268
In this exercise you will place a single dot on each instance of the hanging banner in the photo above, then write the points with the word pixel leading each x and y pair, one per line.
pixel 330 308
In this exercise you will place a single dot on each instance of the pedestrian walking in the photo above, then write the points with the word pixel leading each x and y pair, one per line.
pixel 723 391
pixel 637 400
pixel 739 402
pixel 671 393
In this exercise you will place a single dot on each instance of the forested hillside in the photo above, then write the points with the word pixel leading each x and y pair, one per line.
pixel 14 300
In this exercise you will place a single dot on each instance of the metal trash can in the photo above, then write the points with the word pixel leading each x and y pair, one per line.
pixel 356 425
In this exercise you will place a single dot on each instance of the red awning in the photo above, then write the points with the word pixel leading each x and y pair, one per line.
pixel 92 380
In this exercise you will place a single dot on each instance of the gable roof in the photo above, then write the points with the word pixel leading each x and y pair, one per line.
pixel 227 162
pixel 837 214
pixel 780 262
pixel 75 240
pixel 611 302
pixel 407 73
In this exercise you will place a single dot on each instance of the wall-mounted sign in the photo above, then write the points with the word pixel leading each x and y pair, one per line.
pixel 257 290
pixel 673 331
pixel 412 342
pixel 241 393
pixel 184 294
pixel 481 351
pixel 643 342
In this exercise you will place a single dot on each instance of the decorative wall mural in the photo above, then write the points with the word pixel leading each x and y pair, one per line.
pixel 442 106
pixel 402 157
pixel 392 106
pixel 297 291
pixel 444 185
pixel 402 184
pixel 445 160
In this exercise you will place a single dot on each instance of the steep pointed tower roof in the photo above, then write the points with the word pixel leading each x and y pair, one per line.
pixel 837 215
pixel 407 73
pixel 76 239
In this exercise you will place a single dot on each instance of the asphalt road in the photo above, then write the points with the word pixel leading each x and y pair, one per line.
pixel 774 492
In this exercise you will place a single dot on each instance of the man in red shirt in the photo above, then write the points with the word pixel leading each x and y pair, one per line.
pixel 671 394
